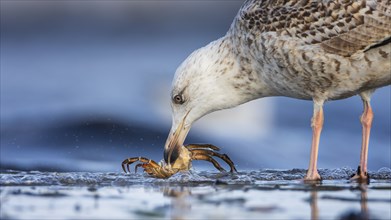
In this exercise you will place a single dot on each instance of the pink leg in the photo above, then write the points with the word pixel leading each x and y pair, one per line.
pixel 366 121
pixel 317 124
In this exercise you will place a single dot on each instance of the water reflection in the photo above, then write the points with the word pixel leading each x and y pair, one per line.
pixel 364 202
pixel 347 214
pixel 180 202
pixel 314 205
pixel 184 203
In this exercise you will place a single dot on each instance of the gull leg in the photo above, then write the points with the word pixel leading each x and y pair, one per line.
pixel 317 124
pixel 366 121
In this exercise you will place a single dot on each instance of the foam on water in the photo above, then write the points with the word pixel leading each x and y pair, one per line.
pixel 36 178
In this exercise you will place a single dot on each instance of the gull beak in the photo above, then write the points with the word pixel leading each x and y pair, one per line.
pixel 172 148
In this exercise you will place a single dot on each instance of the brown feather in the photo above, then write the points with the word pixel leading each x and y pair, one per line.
pixel 342 27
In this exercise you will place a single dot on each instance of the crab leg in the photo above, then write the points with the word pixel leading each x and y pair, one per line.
pixel 139 165
pixel 208 158
pixel 209 153
pixel 127 162
pixel 202 146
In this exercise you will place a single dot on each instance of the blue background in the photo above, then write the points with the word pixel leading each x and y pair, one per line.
pixel 86 84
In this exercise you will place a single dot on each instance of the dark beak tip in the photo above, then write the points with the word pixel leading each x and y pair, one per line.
pixel 165 155
pixel 174 154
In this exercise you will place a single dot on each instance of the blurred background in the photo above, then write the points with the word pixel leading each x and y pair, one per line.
pixel 86 84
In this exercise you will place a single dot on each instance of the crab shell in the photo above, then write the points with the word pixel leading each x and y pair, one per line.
pixel 183 163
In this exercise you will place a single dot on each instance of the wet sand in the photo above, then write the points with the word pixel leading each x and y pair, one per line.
pixel 263 194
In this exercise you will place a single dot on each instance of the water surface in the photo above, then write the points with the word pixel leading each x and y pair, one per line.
pixel 261 194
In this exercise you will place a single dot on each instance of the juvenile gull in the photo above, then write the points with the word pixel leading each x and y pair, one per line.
pixel 313 50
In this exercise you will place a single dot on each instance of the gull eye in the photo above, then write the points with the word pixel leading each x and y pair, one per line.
pixel 178 99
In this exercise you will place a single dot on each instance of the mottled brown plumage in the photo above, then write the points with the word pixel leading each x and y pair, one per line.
pixel 316 50
pixel 340 27
pixel 319 47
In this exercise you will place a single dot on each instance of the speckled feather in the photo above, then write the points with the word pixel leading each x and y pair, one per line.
pixel 340 27
pixel 315 49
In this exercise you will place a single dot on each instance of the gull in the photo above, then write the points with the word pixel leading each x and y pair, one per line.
pixel 304 49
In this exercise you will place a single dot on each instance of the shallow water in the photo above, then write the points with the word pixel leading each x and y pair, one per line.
pixel 261 194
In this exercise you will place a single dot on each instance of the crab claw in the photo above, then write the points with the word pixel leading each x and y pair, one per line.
pixel 145 162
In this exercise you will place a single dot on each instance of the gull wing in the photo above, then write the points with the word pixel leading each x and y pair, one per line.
pixel 342 27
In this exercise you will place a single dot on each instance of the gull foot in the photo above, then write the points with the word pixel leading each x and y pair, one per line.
pixel 312 177
pixel 360 176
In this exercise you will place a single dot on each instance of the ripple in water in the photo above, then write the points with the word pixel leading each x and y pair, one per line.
pixel 36 178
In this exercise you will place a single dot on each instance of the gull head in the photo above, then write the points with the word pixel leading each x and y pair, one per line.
pixel 202 84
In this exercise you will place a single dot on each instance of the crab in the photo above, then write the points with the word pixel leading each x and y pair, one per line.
pixel 183 163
